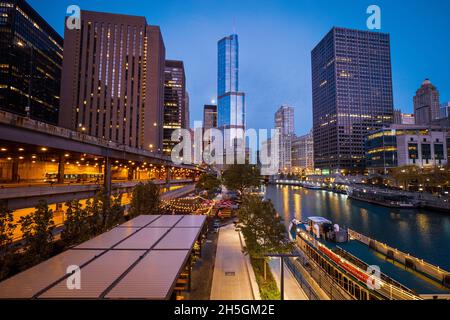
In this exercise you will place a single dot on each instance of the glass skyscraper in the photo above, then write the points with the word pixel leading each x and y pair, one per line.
pixel 231 102
pixel 352 95
pixel 31 54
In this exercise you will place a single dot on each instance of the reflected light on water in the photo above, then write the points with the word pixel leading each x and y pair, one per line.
pixel 298 206
pixel 286 208
pixel 425 234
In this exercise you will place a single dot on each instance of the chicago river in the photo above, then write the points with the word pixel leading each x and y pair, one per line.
pixel 421 233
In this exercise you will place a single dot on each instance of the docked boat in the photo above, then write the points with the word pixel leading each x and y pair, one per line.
pixel 387 199
pixel 312 186
pixel 318 238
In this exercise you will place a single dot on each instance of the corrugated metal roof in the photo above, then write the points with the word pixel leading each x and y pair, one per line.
pixel 139 221
pixel 97 276
pixel 108 239
pixel 179 238
pixel 27 284
pixel 192 221
pixel 153 278
pixel 136 263
pixel 165 221
pixel 143 239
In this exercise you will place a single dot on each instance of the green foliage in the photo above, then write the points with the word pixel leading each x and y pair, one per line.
pixel 262 227
pixel 103 212
pixel 37 230
pixel 209 183
pixel 267 287
pixel 145 200
pixel 7 228
pixel 76 226
pixel 239 177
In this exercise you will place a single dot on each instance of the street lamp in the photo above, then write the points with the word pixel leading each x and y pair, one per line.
pixel 282 256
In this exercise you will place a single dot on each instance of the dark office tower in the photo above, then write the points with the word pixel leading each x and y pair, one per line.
pixel 174 102
pixel 113 80
pixel 426 103
pixel 30 63
pixel 352 95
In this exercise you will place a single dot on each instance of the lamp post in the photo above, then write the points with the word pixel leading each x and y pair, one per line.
pixel 282 256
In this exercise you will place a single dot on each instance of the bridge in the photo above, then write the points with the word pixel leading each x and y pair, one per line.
pixel 43 161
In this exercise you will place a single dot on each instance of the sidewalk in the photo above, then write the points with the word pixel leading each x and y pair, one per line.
pixel 231 280
pixel 292 290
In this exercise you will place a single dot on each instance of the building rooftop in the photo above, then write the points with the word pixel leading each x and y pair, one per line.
pixel 140 259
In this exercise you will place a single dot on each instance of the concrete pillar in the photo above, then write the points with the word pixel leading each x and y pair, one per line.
pixel 131 173
pixel 107 176
pixel 168 176
pixel 61 164
pixel 15 178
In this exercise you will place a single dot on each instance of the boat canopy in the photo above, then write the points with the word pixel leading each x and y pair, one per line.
pixel 319 220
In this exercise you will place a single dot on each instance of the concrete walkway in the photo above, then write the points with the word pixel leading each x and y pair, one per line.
pixel 292 290
pixel 231 279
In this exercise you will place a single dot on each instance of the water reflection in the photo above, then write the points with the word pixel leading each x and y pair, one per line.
pixel 425 234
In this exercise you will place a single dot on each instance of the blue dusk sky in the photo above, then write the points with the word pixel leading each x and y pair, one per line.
pixel 276 38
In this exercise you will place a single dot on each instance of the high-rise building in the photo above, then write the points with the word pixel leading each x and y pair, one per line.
pixel 113 80
pixel 284 123
pixel 352 95
pixel 445 110
pixel 31 54
pixel 303 154
pixel 209 116
pixel 426 103
pixel 403 118
pixel 230 102
pixel 186 113
pixel 209 122
pixel 174 102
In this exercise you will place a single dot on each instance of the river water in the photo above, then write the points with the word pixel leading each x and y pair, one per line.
pixel 421 233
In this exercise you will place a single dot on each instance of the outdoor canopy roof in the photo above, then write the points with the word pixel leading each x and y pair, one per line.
pixel 140 259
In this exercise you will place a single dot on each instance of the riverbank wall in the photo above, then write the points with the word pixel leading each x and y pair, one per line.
pixel 434 272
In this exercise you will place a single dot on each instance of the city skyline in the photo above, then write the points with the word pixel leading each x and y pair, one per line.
pixel 264 80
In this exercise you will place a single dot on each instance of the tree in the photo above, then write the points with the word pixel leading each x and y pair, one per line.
pixel 116 211
pixel 263 228
pixel 406 174
pixel 209 183
pixel 145 199
pixel 37 230
pixel 239 177
pixel 76 225
pixel 7 228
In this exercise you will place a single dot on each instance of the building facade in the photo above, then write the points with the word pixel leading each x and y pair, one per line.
pixel 401 145
pixel 174 102
pixel 31 54
pixel 426 103
pixel 113 80
pixel 303 154
pixel 284 123
pixel 403 118
pixel 445 110
pixel 230 101
pixel 352 95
